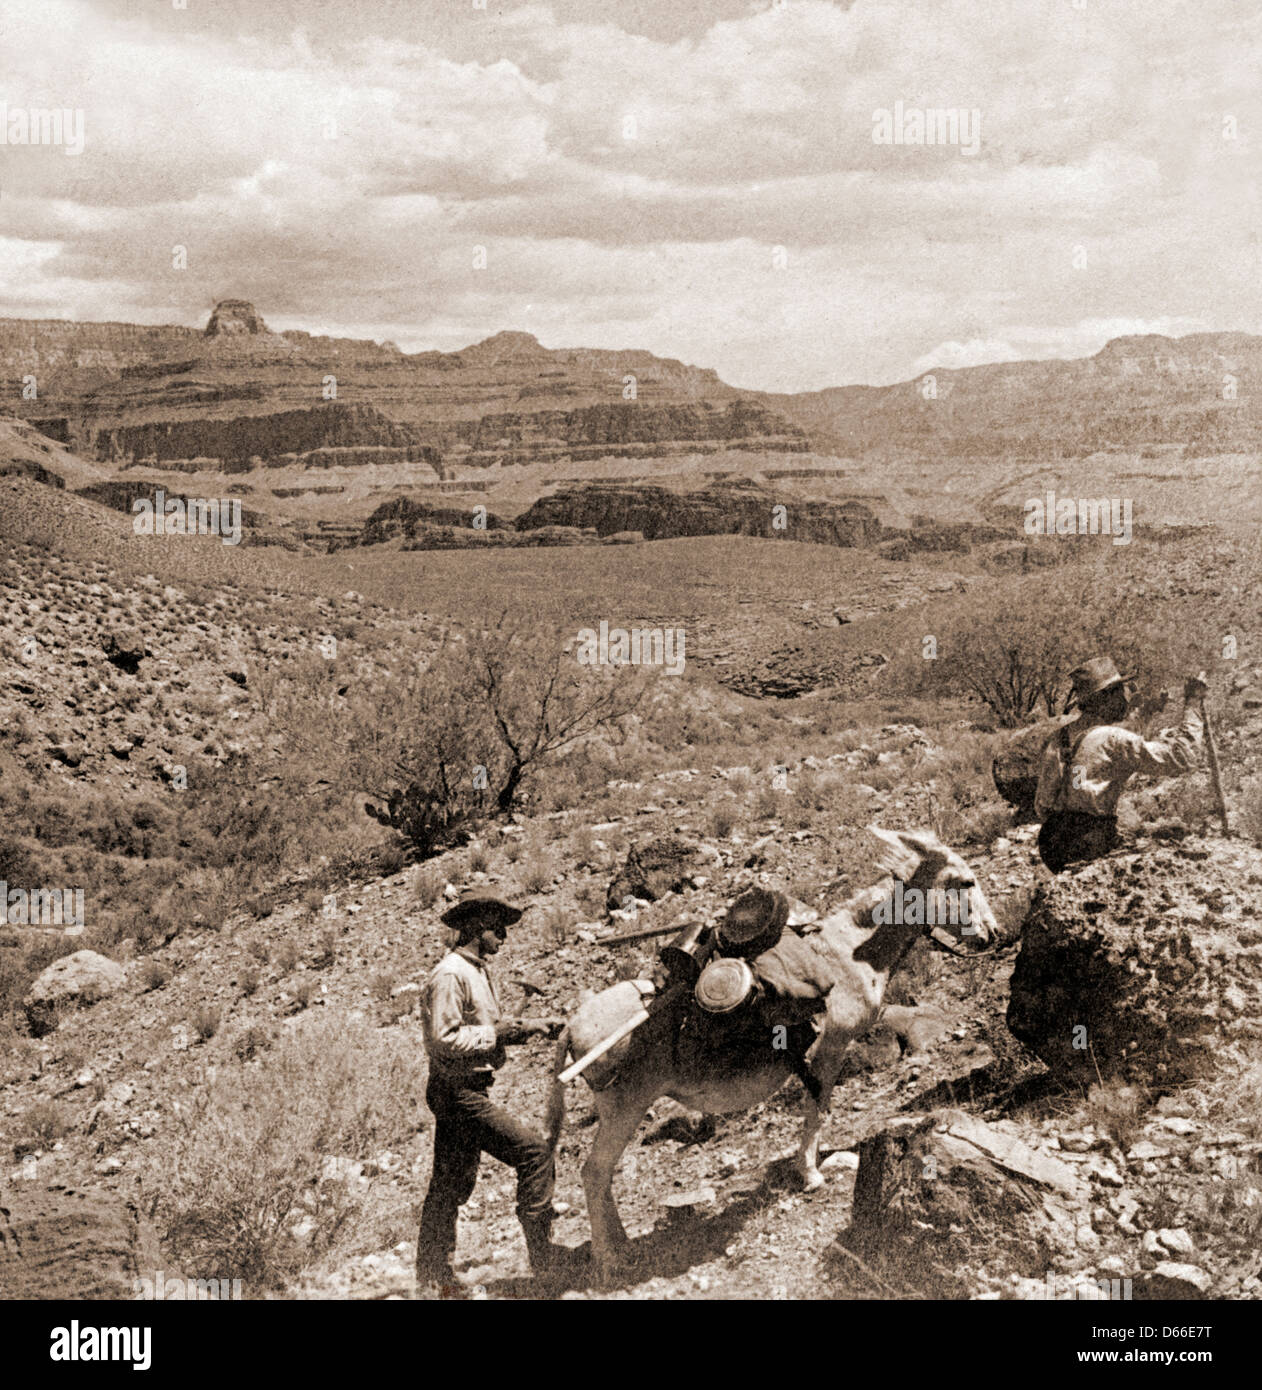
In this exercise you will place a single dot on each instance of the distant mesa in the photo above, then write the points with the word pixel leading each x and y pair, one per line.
pixel 235 318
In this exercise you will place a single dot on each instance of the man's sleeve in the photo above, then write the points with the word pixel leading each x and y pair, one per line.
pixel 449 1035
pixel 1050 776
pixel 1174 751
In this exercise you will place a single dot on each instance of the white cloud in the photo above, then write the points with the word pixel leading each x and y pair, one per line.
pixel 1102 130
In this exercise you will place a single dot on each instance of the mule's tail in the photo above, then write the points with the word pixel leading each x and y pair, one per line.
pixel 556 1101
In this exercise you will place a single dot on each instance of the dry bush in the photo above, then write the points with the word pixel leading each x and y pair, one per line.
pixel 1117 1111
pixel 205 1022
pixel 724 818
pixel 154 975
pixel 303 991
pixel 538 872
pixel 1249 812
pixel 428 883
pixel 41 1125
pixel 246 1157
pixel 249 980
pixel 381 984
pixel 284 957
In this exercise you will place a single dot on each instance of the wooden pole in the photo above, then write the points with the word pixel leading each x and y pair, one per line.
pixel 603 1046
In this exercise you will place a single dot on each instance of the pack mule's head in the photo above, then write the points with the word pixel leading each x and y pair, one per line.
pixel 960 912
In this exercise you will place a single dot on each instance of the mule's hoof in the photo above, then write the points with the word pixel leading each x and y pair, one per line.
pixel 812 1180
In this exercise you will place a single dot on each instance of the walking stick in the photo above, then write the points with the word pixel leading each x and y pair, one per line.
pixel 1215 777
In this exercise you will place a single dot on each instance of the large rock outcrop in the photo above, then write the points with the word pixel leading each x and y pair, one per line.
pixel 939 1199
pixel 724 508
pixel 73 982
pixel 235 442
pixel 235 316
pixel 59 1242
pixel 1144 965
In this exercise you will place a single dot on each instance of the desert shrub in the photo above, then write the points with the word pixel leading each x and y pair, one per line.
pixel 249 980
pixel 557 924
pixel 205 1022
pixel 1117 1111
pixel 479 859
pixel 454 744
pixel 250 1042
pixel 246 1159
pixel 724 818
pixel 41 1125
pixel 284 956
pixel 258 948
pixel 381 984
pixel 1249 813
pixel 538 872
pixel 303 990
pixel 1010 647
pixel 153 975
pixel 427 885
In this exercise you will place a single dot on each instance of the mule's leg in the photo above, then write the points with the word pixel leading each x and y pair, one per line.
pixel 825 1062
pixel 620 1116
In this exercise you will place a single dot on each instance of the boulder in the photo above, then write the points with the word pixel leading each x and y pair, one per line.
pixel 1015 768
pixel 1142 965
pixel 73 982
pixel 125 648
pixel 660 866
pixel 940 1198
pixel 61 1242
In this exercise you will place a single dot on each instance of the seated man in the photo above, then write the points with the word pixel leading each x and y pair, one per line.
pixel 1086 766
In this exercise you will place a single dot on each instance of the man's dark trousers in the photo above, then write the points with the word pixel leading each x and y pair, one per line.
pixel 468 1124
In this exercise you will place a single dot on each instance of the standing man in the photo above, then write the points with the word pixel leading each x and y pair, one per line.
pixel 465 1037
pixel 1087 764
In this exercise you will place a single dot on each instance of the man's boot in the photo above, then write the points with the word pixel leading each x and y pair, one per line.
pixel 543 1254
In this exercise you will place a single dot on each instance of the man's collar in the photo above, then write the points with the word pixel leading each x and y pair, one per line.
pixel 471 956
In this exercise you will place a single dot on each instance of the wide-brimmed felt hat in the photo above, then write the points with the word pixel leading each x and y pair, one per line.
pixel 755 921
pixel 476 904
pixel 1093 678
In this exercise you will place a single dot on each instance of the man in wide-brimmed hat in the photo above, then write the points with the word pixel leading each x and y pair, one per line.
pixel 1087 764
pixel 465 1037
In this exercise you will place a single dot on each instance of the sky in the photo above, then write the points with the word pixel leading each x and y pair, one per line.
pixel 700 178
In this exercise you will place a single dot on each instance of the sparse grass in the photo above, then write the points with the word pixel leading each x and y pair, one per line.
pixel 259 949
pixel 479 859
pixel 303 991
pixel 245 1163
pixel 249 980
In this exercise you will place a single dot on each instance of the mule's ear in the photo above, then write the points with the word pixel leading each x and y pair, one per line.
pixel 897 857
pixel 923 842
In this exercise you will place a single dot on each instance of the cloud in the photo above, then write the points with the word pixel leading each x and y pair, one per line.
pixel 699 181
